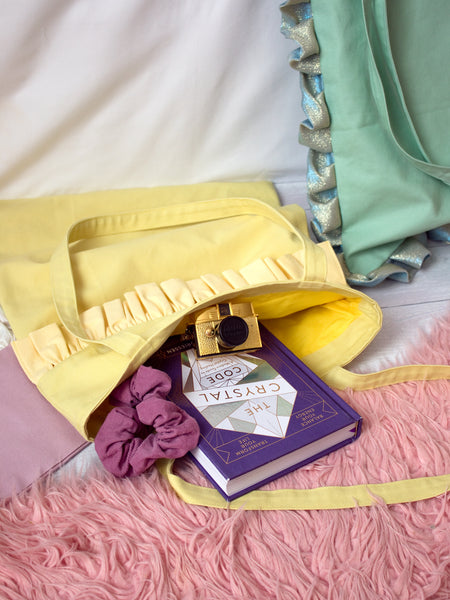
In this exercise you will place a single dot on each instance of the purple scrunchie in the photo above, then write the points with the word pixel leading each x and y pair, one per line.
pixel 143 426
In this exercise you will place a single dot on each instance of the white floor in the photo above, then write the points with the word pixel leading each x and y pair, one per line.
pixel 408 309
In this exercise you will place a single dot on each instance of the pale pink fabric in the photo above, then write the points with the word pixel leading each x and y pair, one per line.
pixel 143 426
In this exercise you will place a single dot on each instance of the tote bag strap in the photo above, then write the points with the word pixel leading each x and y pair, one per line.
pixel 62 279
pixel 328 497
pixel 388 93
pixel 341 378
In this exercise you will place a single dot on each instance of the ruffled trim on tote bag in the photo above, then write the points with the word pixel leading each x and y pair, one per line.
pixel 298 25
pixel 48 346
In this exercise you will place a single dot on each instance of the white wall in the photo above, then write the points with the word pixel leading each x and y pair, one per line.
pixel 98 94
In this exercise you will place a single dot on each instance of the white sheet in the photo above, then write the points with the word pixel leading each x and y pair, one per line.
pixel 123 93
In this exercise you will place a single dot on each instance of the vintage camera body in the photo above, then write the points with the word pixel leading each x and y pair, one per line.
pixel 224 328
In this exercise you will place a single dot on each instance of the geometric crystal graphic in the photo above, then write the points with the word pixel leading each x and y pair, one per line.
pixel 238 392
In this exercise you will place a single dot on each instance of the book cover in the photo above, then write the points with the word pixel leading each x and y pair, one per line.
pixel 261 414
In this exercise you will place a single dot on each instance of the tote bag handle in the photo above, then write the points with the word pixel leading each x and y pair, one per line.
pixel 62 279
pixel 388 92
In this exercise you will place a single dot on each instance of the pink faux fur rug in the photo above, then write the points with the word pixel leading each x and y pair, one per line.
pixel 100 538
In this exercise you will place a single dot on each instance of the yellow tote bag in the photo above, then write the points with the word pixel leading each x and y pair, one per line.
pixel 182 258
pixel 120 284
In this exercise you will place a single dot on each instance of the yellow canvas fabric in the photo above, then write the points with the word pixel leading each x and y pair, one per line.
pixel 167 248
pixel 31 229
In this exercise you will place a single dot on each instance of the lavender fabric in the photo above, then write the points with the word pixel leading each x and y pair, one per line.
pixel 35 439
pixel 143 426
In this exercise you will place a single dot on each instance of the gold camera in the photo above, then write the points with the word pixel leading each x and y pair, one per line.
pixel 225 328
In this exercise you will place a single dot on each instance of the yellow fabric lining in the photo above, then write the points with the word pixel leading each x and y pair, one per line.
pixel 314 327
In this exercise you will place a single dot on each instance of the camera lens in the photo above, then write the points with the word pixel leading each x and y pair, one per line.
pixel 232 331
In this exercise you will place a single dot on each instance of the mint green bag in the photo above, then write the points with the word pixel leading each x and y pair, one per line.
pixel 376 94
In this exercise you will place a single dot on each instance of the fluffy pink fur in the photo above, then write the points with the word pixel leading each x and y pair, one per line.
pixel 101 538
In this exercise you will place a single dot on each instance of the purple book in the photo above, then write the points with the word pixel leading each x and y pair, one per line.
pixel 261 414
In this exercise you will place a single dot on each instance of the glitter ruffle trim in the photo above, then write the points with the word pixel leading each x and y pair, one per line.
pixel 298 25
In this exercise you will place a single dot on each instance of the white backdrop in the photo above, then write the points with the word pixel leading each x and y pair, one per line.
pixel 99 94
